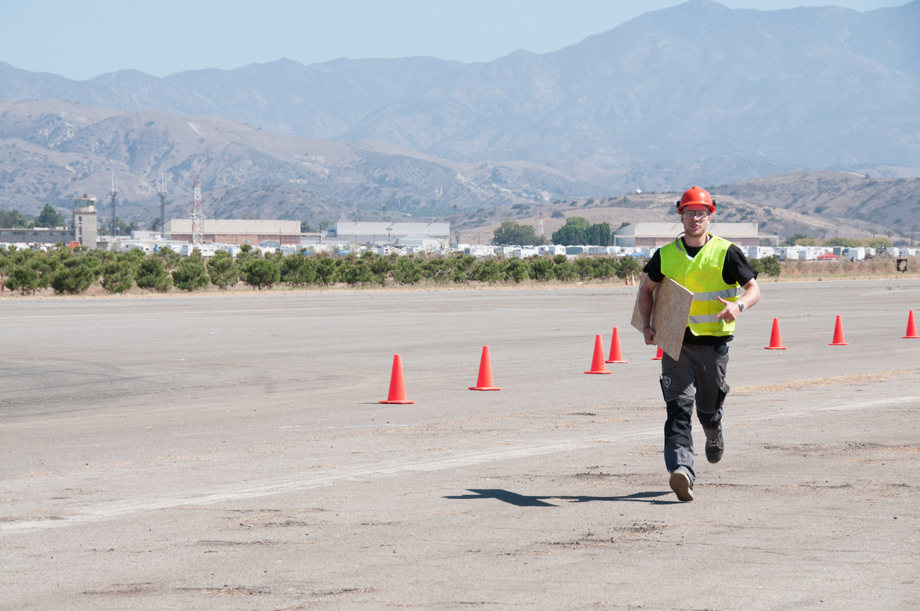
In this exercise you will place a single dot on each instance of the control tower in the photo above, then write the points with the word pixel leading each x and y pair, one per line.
pixel 84 221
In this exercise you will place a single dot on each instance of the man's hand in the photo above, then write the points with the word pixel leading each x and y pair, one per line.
pixel 649 334
pixel 730 312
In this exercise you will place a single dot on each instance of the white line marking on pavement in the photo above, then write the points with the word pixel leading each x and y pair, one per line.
pixel 300 482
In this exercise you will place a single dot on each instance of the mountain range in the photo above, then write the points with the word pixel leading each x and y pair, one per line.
pixel 693 94
pixel 51 150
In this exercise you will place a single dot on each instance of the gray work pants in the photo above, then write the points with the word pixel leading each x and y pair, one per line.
pixel 698 375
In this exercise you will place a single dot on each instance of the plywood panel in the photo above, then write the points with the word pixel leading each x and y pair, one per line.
pixel 669 316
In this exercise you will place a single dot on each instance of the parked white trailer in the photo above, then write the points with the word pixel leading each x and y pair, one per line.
pixel 791 253
pixel 760 252
pixel 128 246
pixel 525 252
pixel 320 248
pixel 813 252
pixel 233 249
pixel 855 254
pixel 479 250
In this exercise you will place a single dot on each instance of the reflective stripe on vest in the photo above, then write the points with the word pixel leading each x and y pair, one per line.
pixel 702 275
pixel 698 320
pixel 714 295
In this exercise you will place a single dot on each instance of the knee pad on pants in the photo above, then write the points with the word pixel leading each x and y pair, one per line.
pixel 711 420
pixel 677 426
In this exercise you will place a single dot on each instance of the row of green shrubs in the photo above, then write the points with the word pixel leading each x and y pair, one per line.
pixel 768 266
pixel 74 271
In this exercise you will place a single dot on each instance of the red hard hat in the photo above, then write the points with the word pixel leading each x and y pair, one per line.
pixel 695 195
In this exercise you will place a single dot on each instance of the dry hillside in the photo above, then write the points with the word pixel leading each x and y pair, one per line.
pixel 845 199
pixel 739 207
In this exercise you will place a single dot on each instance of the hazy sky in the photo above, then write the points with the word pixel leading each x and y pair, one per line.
pixel 81 40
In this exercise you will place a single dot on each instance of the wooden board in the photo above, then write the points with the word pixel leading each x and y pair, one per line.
pixel 669 316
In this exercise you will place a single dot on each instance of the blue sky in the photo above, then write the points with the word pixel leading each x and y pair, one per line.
pixel 81 40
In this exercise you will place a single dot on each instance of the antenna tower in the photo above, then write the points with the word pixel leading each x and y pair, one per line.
pixel 114 195
pixel 197 215
pixel 162 193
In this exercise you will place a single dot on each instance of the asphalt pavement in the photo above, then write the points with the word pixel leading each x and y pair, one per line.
pixel 230 452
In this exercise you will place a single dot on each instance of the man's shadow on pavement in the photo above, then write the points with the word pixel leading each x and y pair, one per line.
pixel 537 501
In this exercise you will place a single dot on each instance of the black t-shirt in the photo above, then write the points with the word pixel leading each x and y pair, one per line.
pixel 735 269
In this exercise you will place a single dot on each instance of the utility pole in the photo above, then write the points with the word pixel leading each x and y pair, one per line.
pixel 162 193
pixel 114 195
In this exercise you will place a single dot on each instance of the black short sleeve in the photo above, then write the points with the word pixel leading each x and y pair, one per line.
pixel 653 267
pixel 736 267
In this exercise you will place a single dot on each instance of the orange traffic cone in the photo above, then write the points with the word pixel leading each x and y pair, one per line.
pixel 776 340
pixel 616 355
pixel 838 334
pixel 911 327
pixel 658 355
pixel 485 372
pixel 597 364
pixel 397 387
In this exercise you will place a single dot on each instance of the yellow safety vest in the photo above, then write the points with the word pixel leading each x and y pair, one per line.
pixel 702 275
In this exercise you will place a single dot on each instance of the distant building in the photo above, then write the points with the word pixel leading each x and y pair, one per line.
pixel 84 228
pixel 660 234
pixel 237 231
pixel 374 233
pixel 36 236
pixel 84 221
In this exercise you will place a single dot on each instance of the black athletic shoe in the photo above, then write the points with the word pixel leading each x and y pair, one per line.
pixel 714 449
pixel 680 484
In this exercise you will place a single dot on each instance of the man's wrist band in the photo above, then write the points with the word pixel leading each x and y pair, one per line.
pixel 740 307
pixel 646 327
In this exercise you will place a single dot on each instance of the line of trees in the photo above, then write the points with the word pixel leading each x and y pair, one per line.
pixel 511 233
pixel 802 239
pixel 576 231
pixel 580 231
pixel 768 266
pixel 14 219
pixel 69 271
